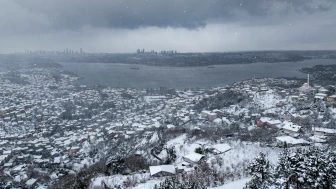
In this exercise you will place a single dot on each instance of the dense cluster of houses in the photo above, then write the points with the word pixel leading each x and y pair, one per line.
pixel 287 119
pixel 50 122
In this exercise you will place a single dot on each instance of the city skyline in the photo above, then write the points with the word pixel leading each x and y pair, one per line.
pixel 149 51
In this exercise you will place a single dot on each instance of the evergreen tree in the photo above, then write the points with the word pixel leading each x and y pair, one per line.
pixel 312 168
pixel 319 167
pixel 331 169
pixel 282 172
pixel 259 169
pixel 171 155
pixel 116 164
pixel 295 160
pixel 199 150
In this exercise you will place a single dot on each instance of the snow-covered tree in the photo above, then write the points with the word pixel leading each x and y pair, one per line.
pixel 295 160
pixel 311 168
pixel 331 169
pixel 282 171
pixel 259 169
pixel 171 155
pixel 174 183
pixel 115 164
pixel 319 167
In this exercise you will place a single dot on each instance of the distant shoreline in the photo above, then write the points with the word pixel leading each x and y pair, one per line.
pixel 210 66
pixel 178 59
pixel 178 66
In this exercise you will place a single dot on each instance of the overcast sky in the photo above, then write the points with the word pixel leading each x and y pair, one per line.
pixel 118 26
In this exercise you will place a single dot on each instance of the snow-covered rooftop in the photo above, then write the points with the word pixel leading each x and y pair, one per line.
pixel 291 140
pixel 221 147
pixel 195 157
pixel 317 139
pixel 292 127
pixel 162 168
pixel 325 130
pixel 31 182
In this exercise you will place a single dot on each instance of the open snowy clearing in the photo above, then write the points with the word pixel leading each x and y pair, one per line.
pixel 239 184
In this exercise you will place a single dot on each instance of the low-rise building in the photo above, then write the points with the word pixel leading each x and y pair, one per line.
pixel 290 141
pixel 220 148
pixel 291 128
pixel 323 131
pixel 193 158
pixel 162 170
pixel 331 98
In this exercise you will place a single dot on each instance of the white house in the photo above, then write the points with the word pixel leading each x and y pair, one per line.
pixel 276 124
pixel 324 131
pixel 290 141
pixel 31 182
pixel 221 148
pixel 290 128
pixel 318 139
pixel 321 96
pixel 193 158
pixel 162 170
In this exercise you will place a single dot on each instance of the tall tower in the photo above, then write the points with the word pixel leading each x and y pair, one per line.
pixel 308 79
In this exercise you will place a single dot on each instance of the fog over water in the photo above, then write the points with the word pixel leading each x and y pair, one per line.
pixel 122 75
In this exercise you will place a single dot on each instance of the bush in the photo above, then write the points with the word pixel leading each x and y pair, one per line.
pixel 199 150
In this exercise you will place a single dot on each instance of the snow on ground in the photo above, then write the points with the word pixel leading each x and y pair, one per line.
pixel 149 184
pixel 236 110
pixel 273 111
pixel 84 163
pixel 183 147
pixel 239 184
pixel 242 151
pixel 42 187
pixel 267 100
pixel 180 147
pixel 224 119
pixel 333 112
pixel 150 99
pixel 237 159
pixel 233 162
pixel 155 138
pixel 115 180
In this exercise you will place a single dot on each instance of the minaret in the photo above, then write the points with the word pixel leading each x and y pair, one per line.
pixel 308 79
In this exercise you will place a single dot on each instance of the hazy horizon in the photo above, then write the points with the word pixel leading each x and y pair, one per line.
pixel 159 51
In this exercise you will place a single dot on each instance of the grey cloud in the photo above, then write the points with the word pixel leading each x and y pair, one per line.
pixel 133 14
pixel 184 25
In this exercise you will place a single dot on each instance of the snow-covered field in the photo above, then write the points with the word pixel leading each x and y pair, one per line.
pixel 122 180
pixel 239 184
pixel 267 100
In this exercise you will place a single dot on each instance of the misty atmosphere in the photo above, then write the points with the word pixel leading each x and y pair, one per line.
pixel 167 94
